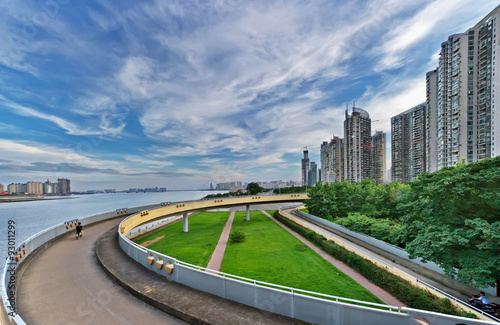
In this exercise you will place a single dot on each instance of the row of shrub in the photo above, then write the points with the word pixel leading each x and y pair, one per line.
pixel 288 190
pixel 403 290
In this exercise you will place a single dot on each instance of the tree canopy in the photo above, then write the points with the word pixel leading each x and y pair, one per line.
pixel 452 217
pixel 338 199
pixel 254 188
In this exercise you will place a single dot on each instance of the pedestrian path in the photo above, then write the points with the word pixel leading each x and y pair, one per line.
pixel 215 262
pixel 376 290
pixel 64 285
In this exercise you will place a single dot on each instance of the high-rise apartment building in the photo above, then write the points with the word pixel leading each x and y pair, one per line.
pixel 17 188
pixel 332 160
pixel 1 188
pixel 34 188
pixel 358 142
pixel 431 121
pixel 305 168
pixel 358 155
pixel 461 97
pixel 312 174
pixel 378 158
pixel 408 144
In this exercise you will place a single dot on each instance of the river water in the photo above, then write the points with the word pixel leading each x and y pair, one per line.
pixel 34 216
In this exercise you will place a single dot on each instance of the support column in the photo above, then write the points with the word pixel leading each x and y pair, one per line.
pixel 248 212
pixel 185 222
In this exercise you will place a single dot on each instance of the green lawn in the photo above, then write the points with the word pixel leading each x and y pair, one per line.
pixel 195 246
pixel 269 253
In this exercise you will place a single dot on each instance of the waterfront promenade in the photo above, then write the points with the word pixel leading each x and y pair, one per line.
pixel 64 284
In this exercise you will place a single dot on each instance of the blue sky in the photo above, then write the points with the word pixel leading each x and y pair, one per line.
pixel 120 94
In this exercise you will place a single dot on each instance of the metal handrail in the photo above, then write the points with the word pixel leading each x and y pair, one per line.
pixel 444 293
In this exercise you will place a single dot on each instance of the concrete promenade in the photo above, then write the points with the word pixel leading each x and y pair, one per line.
pixel 64 285
pixel 70 282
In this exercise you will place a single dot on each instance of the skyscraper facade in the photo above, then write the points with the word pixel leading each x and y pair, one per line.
pixel 305 168
pixel 378 158
pixel 408 144
pixel 431 121
pixel 358 155
pixel 461 97
pixel 332 160
pixel 312 174
pixel 358 142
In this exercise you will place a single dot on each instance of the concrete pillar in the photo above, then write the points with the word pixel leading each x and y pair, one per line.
pixel 185 222
pixel 248 212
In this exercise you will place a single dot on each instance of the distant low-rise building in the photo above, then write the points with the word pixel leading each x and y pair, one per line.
pixel 16 188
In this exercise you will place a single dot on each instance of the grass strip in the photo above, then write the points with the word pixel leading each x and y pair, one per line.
pixel 402 289
pixel 195 246
pixel 271 254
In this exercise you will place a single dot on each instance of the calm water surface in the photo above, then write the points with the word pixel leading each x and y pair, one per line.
pixel 34 216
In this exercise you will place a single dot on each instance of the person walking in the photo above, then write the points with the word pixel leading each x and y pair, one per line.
pixel 79 230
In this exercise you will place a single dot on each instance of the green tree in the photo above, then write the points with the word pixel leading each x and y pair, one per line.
pixel 254 188
pixel 452 217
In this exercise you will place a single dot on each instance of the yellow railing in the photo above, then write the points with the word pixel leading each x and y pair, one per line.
pixel 179 208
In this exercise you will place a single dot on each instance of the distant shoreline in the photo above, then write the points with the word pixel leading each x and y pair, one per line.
pixel 31 198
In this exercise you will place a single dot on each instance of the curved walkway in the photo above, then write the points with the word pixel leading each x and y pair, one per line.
pixel 376 290
pixel 64 285
pixel 435 279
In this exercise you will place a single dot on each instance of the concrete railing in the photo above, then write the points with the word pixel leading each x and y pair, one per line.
pixel 300 304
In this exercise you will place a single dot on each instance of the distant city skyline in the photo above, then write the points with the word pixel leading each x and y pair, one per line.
pixel 180 95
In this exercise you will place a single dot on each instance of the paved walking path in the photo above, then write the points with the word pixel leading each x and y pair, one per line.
pixel 64 285
pixel 377 291
pixel 435 279
pixel 215 262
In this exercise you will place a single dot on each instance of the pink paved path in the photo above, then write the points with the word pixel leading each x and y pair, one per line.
pixel 377 291
pixel 215 262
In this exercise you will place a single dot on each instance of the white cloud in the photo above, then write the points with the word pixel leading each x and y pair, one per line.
pixel 396 97
pixel 436 17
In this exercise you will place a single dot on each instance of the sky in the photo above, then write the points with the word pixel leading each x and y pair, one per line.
pixel 181 94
